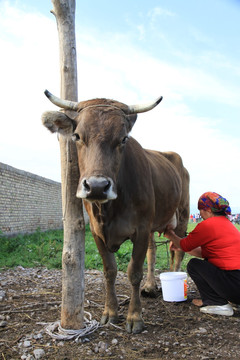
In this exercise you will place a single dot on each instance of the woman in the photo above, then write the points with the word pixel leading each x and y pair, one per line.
pixel 217 241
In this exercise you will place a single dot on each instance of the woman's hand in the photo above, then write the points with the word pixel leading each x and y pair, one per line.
pixel 174 239
pixel 172 247
pixel 169 233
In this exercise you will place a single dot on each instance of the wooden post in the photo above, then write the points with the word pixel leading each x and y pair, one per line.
pixel 72 313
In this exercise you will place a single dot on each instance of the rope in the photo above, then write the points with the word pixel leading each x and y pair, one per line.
pixel 56 331
pixel 164 242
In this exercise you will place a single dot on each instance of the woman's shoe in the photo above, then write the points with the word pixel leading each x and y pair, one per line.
pixel 226 310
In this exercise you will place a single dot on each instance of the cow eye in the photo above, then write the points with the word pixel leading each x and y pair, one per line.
pixel 75 137
pixel 124 140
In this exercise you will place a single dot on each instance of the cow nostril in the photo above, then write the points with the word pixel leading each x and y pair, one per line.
pixel 85 184
pixel 107 186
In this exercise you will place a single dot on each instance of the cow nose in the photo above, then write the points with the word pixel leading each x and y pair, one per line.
pixel 96 188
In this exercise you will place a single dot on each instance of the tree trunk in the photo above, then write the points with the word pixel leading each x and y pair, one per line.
pixel 72 313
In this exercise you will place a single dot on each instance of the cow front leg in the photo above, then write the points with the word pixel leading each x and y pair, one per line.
pixel 110 313
pixel 150 286
pixel 135 323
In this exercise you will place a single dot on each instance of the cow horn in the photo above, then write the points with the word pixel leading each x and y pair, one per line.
pixel 65 104
pixel 135 109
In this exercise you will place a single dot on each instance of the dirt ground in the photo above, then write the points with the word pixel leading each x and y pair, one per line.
pixel 31 297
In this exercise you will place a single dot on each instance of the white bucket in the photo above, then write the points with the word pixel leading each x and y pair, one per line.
pixel 174 286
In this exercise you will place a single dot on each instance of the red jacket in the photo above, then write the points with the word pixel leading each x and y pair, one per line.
pixel 219 240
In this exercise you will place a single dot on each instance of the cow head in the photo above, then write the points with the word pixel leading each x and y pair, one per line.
pixel 100 129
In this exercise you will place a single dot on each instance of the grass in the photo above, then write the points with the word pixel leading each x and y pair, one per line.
pixel 45 249
pixel 32 250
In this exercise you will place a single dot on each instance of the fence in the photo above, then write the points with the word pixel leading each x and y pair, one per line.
pixel 28 202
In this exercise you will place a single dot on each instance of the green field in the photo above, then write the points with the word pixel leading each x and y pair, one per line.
pixel 45 249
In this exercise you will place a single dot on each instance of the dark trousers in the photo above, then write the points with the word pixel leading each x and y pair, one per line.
pixel 215 286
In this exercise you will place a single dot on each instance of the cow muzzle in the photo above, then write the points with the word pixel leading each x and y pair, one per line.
pixel 96 189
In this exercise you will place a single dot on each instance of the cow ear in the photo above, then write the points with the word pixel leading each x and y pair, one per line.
pixel 57 121
pixel 131 121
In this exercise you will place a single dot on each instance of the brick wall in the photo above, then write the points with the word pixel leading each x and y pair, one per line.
pixel 28 202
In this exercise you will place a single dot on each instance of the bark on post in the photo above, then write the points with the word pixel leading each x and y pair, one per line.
pixel 72 313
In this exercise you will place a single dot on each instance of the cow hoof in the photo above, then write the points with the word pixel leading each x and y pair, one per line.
pixel 105 320
pixel 136 327
pixel 152 293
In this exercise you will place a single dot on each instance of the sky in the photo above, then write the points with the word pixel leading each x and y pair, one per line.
pixel 132 51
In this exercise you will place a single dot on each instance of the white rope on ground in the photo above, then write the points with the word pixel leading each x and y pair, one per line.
pixel 56 331
pixel 116 326
pixel 68 334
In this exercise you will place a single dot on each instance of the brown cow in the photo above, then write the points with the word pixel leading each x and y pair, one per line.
pixel 128 192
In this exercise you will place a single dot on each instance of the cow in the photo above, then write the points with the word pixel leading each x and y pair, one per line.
pixel 128 192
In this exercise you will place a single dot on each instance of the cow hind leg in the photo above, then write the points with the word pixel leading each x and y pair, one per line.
pixel 172 258
pixel 181 230
pixel 176 260
pixel 176 256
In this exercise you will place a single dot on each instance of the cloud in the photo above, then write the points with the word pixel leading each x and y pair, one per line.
pixel 156 12
pixel 200 37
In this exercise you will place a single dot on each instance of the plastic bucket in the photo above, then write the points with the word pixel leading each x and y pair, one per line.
pixel 174 286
